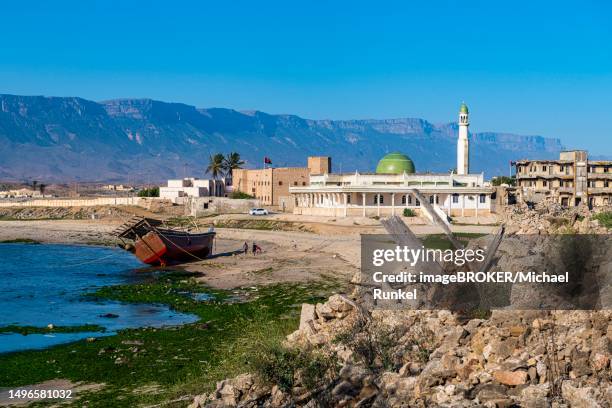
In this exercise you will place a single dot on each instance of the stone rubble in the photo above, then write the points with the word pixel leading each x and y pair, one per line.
pixel 527 359
pixel 549 217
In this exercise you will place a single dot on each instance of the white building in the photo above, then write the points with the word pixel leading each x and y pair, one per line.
pixel 178 190
pixel 395 185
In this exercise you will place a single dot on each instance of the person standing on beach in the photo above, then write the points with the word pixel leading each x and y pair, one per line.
pixel 254 248
pixel 245 248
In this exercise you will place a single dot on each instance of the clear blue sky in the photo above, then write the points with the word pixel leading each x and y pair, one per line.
pixel 530 67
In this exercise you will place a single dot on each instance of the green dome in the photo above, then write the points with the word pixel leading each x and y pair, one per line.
pixel 395 163
pixel 463 108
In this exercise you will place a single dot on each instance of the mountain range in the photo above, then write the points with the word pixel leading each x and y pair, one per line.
pixel 63 139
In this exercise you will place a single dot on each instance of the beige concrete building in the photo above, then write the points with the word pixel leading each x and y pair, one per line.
pixel 269 185
pixel 386 193
pixel 178 190
pixel 569 181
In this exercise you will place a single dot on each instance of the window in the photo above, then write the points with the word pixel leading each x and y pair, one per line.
pixel 455 198
pixel 431 199
pixel 378 199
pixel 417 202
pixel 544 183
pixel 483 199
pixel 606 184
pixel 403 199
pixel 348 198
pixel 303 183
pixel 544 168
pixel 295 183
pixel 280 183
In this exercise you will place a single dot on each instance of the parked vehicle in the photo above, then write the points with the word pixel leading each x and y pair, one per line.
pixel 258 211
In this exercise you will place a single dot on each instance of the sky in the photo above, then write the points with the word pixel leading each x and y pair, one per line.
pixel 527 67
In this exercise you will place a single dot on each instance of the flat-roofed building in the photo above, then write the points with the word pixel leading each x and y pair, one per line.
pixel 270 184
pixel 570 181
pixel 179 189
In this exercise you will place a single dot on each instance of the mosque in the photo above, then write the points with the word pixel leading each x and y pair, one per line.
pixel 396 185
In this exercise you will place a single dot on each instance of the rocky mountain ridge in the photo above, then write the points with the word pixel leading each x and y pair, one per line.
pixel 72 139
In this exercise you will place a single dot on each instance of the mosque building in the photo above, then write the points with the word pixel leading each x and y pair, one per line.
pixel 395 185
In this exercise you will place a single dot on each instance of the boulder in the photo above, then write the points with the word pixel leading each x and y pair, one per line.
pixel 513 378
pixel 579 397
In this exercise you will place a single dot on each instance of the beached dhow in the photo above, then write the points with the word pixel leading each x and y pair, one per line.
pixel 156 244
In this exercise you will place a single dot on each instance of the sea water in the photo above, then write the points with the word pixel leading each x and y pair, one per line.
pixel 44 284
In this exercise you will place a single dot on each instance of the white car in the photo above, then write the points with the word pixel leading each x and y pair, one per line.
pixel 258 211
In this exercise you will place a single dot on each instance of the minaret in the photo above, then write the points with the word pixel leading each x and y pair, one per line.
pixel 463 146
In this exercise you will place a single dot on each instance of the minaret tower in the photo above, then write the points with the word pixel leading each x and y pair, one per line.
pixel 463 147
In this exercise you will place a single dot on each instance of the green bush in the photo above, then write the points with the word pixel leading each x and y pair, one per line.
pixel 409 212
pixel 283 366
pixel 382 347
pixel 604 218
pixel 240 195
pixel 149 192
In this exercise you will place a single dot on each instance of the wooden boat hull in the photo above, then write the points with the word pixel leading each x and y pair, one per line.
pixel 167 247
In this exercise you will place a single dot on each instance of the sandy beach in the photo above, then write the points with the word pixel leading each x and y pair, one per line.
pixel 331 250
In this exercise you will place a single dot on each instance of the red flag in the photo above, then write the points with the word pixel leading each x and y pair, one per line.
pixel 267 160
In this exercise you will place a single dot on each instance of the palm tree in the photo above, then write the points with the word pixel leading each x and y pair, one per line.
pixel 230 162
pixel 215 165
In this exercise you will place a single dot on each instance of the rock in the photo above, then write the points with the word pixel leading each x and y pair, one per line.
pixel 511 377
pixel 324 312
pixel 579 397
pixel 512 364
pixel 489 392
pixel 533 375
pixel 500 349
pixel 307 315
pixel 337 304
pixel 599 361
pixel 344 388
pixel 541 370
pixel 278 397
pixel 199 401
pixel 90 339
pixel 516 331
pixel 366 395
pixel 580 364
pixel 109 315
pixel 535 396
pixel 50 326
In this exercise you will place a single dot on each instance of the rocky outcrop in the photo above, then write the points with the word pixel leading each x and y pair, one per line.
pixel 528 359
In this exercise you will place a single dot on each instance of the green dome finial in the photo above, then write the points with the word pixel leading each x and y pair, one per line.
pixel 463 108
pixel 395 163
